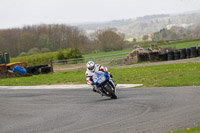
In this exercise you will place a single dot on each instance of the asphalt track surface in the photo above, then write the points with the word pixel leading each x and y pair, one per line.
pixel 137 110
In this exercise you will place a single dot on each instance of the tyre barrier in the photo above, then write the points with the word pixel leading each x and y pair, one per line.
pixel 153 56
pixel 34 70
pixel 143 57
pixel 193 52
pixel 176 55
pixel 171 55
pixel 39 66
pixel 183 54
pixel 188 53
pixel 45 70
pixel 163 57
pixel 198 50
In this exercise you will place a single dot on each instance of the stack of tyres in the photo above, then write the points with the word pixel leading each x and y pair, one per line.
pixel 163 57
pixel 34 70
pixel 45 70
pixel 170 55
pixel 143 57
pixel 188 52
pixel 176 55
pixel 193 52
pixel 198 49
pixel 183 54
pixel 153 56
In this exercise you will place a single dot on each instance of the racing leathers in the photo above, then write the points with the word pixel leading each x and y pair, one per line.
pixel 89 74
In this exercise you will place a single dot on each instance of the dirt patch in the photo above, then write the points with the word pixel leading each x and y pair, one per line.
pixel 7 74
pixel 10 74
pixel 159 63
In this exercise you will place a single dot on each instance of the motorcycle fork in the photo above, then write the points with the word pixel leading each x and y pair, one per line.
pixel 102 90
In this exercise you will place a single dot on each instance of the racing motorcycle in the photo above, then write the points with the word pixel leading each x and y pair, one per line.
pixel 104 85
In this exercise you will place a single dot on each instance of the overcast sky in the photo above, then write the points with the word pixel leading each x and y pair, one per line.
pixel 16 13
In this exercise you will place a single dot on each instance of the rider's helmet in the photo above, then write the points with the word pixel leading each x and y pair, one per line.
pixel 91 65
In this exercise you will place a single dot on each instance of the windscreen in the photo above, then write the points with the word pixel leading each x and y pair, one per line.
pixel 97 75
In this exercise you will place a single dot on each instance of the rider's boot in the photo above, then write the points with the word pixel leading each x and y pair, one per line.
pixel 94 88
pixel 100 92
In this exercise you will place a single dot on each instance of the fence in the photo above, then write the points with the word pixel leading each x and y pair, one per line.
pixel 80 63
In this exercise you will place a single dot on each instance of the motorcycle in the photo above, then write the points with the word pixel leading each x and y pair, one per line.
pixel 104 85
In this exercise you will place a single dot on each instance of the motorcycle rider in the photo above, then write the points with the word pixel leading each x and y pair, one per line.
pixel 91 69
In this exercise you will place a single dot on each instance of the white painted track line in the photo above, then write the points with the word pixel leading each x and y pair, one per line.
pixel 82 86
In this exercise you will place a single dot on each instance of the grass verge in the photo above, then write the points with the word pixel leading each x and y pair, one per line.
pixel 184 74
pixel 181 45
pixel 188 130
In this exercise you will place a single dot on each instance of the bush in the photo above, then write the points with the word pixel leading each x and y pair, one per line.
pixel 70 53
pixel 60 55
pixel 45 50
pixel 23 54
pixel 38 59
pixel 34 51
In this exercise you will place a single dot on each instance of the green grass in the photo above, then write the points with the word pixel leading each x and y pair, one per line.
pixel 188 130
pixel 37 59
pixel 45 79
pixel 107 53
pixel 185 74
pixel 182 45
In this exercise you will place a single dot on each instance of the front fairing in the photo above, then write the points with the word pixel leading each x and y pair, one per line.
pixel 99 78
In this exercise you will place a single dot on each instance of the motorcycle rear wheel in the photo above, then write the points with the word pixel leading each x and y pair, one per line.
pixel 110 91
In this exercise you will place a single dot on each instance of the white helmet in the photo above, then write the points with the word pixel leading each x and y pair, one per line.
pixel 90 65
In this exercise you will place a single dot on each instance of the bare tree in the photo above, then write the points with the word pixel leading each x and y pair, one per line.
pixel 109 39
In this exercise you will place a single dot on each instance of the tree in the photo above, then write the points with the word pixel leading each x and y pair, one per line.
pixel 164 34
pixel 134 40
pixel 23 54
pixel 169 21
pixel 45 50
pixel 52 37
pixel 109 39
pixel 34 51
pixel 145 37
pixel 43 41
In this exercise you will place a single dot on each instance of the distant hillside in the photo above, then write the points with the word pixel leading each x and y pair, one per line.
pixel 102 25
pixel 147 24
pixel 153 16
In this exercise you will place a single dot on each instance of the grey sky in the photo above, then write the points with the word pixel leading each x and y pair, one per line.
pixel 15 13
